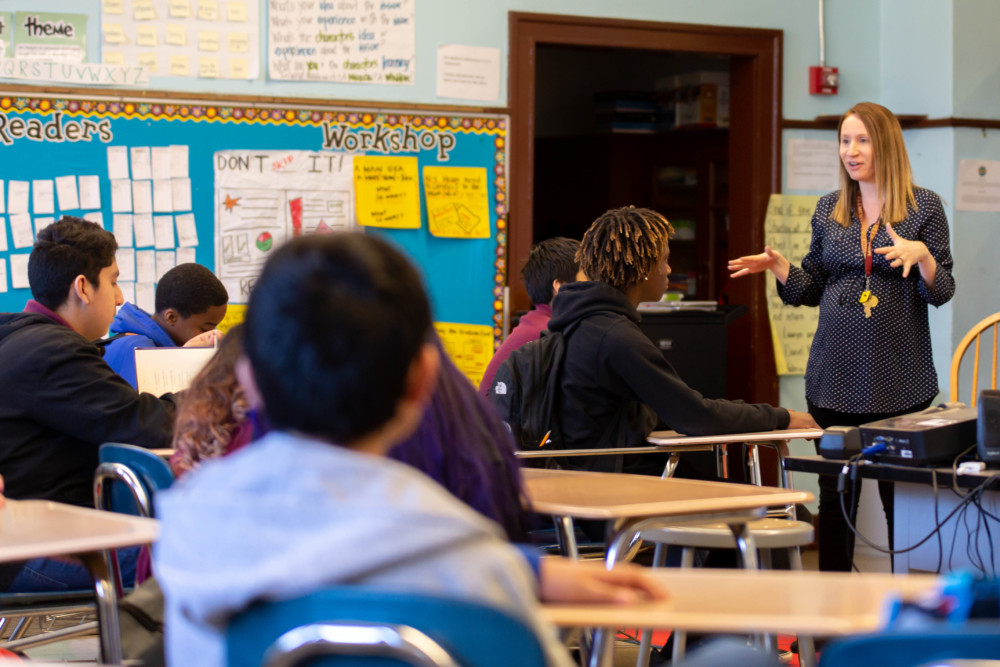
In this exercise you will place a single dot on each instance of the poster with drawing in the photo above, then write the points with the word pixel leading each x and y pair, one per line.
pixel 263 198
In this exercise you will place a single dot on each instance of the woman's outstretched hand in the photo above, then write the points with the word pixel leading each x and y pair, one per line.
pixel 769 260
pixel 903 252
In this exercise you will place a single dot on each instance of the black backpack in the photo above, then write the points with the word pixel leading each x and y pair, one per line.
pixel 525 391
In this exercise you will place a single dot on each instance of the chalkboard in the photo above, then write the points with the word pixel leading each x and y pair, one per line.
pixel 225 183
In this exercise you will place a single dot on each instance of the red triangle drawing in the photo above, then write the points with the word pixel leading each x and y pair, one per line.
pixel 323 228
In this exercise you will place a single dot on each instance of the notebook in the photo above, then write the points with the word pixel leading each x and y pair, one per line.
pixel 159 370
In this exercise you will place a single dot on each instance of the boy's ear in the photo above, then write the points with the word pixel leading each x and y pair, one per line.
pixel 171 316
pixel 423 375
pixel 245 376
pixel 81 289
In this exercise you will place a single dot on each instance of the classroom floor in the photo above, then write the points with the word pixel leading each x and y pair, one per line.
pixel 84 650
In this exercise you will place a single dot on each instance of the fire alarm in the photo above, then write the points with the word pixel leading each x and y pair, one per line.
pixel 823 80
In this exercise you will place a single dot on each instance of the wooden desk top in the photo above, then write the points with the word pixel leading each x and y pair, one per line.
pixel 37 528
pixel 738 601
pixel 674 438
pixel 595 495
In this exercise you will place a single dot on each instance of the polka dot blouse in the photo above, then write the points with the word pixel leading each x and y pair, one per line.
pixel 881 363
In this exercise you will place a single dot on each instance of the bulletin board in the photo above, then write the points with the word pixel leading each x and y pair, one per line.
pixel 227 182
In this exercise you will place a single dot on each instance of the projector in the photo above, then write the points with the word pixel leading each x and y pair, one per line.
pixel 933 435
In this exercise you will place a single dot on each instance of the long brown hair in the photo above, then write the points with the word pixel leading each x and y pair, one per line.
pixel 211 409
pixel 893 175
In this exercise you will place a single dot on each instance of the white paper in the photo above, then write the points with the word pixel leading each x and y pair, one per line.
pixel 122 225
pixel 117 162
pixel 128 291
pixel 159 370
pixel 142 225
pixel 178 161
pixel 185 256
pixel 3 199
pixel 66 191
pixel 145 266
pixel 163 228
pixel 3 274
pixel 145 296
pixel 162 196
pixel 3 235
pixel 165 260
pixel 141 168
pixel 17 197
pixel 19 271
pixel 812 164
pixel 181 194
pixel 978 187
pixel 161 162
pixel 126 265
pixel 95 216
pixel 20 230
pixel 142 196
pixel 90 192
pixel 42 223
pixel 121 195
pixel 43 197
pixel 187 232
pixel 468 72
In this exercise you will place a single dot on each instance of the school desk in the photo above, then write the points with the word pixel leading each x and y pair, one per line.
pixel 40 528
pixel 811 604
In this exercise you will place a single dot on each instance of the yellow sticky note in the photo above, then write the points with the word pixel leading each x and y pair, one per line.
pixel 208 68
pixel 149 62
pixel 208 10
pixel 113 33
pixel 386 191
pixel 180 9
pixel 113 58
pixel 208 40
pixel 176 34
pixel 143 10
pixel 236 11
pixel 239 68
pixel 235 314
pixel 113 7
pixel 179 65
pixel 781 366
pixel 457 202
pixel 470 346
pixel 239 42
pixel 145 35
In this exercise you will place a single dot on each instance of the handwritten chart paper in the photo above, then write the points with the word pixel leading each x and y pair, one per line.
pixel 787 229
pixel 349 41
pixel 470 346
pixel 191 38
pixel 387 191
pixel 457 202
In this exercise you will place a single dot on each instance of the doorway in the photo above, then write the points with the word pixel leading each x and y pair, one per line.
pixel 715 181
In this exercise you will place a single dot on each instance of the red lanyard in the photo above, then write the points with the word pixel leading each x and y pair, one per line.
pixel 866 248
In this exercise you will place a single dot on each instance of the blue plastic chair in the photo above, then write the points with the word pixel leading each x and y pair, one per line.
pixel 134 475
pixel 974 640
pixel 363 627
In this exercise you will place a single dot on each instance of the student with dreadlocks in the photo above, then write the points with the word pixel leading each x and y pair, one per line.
pixel 615 381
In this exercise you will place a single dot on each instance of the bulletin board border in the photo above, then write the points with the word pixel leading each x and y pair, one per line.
pixel 246 110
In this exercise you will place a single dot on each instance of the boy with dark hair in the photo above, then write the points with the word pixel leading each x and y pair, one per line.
pixel 61 401
pixel 339 355
pixel 551 264
pixel 190 303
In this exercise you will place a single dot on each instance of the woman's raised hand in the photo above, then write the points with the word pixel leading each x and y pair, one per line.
pixel 744 266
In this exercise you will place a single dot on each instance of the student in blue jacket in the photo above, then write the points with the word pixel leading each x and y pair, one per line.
pixel 190 303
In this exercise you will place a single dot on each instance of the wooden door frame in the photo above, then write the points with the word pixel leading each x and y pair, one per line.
pixel 754 147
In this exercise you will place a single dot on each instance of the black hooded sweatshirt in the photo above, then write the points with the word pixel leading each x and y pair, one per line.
pixel 616 383
pixel 59 401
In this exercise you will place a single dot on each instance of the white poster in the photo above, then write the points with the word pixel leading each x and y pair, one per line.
pixel 812 165
pixel 263 198
pixel 349 41
pixel 468 72
pixel 978 187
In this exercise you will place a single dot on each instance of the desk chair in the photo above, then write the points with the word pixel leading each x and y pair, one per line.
pixel 379 627
pixel 940 645
pixel 976 333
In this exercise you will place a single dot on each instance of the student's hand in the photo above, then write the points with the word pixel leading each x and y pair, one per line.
pixel 769 260
pixel 903 252
pixel 207 339
pixel 798 419
pixel 569 581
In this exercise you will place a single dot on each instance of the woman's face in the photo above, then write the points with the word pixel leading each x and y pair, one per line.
pixel 856 150
pixel 656 282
